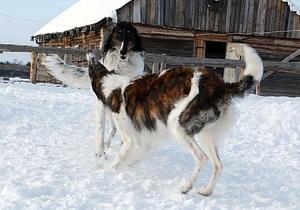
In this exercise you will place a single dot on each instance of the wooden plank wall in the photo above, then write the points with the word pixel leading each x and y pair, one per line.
pixel 82 41
pixel 183 48
pixel 226 16
pixel 281 84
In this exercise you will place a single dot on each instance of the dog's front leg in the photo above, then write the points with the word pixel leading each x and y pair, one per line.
pixel 123 155
pixel 100 126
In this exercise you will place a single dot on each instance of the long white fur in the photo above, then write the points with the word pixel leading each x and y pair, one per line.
pixel 113 82
pixel 254 64
pixel 131 67
pixel 141 140
pixel 68 74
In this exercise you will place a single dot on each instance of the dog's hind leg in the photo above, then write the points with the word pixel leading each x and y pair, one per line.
pixel 124 153
pixel 100 126
pixel 208 146
pixel 191 146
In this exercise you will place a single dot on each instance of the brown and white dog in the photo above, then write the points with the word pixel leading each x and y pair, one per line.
pixel 186 103
pixel 123 52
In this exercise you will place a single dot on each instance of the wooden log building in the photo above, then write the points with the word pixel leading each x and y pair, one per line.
pixel 192 28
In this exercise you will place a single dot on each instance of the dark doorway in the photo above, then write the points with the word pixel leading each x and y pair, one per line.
pixel 216 50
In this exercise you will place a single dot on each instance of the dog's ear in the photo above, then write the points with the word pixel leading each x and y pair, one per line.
pixel 91 58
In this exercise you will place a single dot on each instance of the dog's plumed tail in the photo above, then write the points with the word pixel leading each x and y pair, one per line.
pixel 252 74
pixel 70 75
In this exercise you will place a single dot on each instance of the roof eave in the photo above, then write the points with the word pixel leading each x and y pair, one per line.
pixel 45 38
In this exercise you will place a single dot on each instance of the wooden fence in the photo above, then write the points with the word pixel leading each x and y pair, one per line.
pixel 161 60
pixel 14 70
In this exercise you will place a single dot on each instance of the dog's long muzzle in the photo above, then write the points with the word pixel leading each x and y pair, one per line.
pixel 124 50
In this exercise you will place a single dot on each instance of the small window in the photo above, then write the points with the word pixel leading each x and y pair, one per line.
pixel 216 50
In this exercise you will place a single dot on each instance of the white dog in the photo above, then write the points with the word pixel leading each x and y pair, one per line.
pixel 184 102
pixel 123 53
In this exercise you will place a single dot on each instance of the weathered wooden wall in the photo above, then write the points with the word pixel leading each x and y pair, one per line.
pixel 82 41
pixel 269 48
pixel 170 47
pixel 226 16
pixel 181 28
pixel 281 84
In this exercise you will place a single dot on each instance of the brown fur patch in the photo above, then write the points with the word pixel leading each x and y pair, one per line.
pixel 114 100
pixel 97 72
pixel 152 97
pixel 204 108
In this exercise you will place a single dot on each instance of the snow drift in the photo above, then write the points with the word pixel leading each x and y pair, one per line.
pixel 47 157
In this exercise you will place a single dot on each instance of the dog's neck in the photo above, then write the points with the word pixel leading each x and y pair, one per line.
pixel 132 66
pixel 97 72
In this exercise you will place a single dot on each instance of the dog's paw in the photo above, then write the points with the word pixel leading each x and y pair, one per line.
pixel 185 188
pixel 101 155
pixel 114 166
pixel 204 191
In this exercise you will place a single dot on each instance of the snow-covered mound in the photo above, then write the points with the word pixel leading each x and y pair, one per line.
pixel 47 157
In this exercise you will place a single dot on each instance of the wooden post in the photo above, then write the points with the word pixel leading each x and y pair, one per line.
pixel 257 89
pixel 163 64
pixel 199 47
pixel 234 52
pixel 33 67
pixel 155 67
pixel 68 58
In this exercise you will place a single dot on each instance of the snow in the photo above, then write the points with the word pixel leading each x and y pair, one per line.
pixel 294 5
pixel 47 145
pixel 82 13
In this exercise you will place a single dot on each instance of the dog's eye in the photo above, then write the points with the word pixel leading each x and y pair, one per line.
pixel 119 34
pixel 128 31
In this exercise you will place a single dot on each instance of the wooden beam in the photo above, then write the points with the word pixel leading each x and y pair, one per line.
pixel 29 49
pixel 291 67
pixel 291 56
pixel 146 30
pixel 212 37
pixel 267 74
pixel 33 67
pixel 250 39
pixel 287 59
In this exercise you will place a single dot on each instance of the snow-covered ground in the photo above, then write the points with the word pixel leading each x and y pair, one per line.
pixel 47 158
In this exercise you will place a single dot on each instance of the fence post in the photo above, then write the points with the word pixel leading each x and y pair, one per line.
pixel 257 89
pixel 33 67
pixel 155 67
pixel 163 64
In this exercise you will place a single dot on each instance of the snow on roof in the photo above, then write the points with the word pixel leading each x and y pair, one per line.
pixel 82 13
pixel 87 12
pixel 294 5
